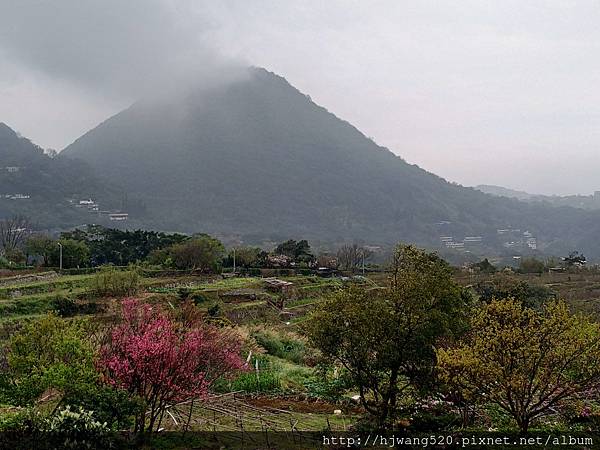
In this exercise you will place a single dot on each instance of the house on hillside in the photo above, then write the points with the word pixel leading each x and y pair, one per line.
pixel 118 217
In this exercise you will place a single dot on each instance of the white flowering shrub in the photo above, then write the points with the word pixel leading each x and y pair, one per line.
pixel 76 428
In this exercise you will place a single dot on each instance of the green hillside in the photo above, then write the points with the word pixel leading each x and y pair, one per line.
pixel 40 187
pixel 256 157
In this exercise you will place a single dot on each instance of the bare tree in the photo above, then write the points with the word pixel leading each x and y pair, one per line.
pixel 351 257
pixel 13 232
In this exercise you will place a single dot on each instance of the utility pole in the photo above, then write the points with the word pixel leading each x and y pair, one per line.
pixel 233 259
pixel 60 254
pixel 363 263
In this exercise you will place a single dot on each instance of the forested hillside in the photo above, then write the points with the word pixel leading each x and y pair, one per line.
pixel 257 157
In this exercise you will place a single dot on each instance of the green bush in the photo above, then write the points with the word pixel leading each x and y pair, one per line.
pixel 282 346
pixel 250 382
pixel 266 380
pixel 111 405
pixel 48 353
pixel 214 310
pixel 184 292
pixel 330 390
pixel 198 298
pixel 64 306
pixel 110 282
pixel 15 420
pixel 76 428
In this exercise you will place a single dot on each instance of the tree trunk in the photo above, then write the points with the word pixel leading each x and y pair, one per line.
pixel 523 423
pixel 388 401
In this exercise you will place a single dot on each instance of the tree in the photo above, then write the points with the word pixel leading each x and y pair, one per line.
pixel 49 353
pixel 121 248
pixel 202 252
pixel 523 360
pixel 298 251
pixel 54 355
pixel 350 257
pixel 328 261
pixel 506 286
pixel 16 256
pixel 484 266
pixel 74 254
pixel 532 265
pixel 575 259
pixel 385 338
pixel 244 256
pixel 13 232
pixel 150 356
pixel 40 245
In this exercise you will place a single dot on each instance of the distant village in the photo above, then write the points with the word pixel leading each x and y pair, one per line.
pixel 94 207
pixel 513 238
pixel 89 204
pixel 18 195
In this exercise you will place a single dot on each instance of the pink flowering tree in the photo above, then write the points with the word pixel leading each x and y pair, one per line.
pixel 153 357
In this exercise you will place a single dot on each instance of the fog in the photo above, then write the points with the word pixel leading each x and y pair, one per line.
pixel 475 91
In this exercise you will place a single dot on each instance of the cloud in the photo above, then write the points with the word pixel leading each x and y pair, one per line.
pixel 478 91
pixel 116 47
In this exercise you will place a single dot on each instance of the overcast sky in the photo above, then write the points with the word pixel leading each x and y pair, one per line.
pixel 497 92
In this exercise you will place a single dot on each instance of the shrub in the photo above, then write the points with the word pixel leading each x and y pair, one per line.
pixel 64 306
pixel 251 382
pixel 48 353
pixel 532 265
pixel 16 256
pixel 199 298
pixel 110 405
pixel 214 310
pixel 285 346
pixel 76 428
pixel 530 295
pixel 267 379
pixel 111 282
pixel 15 420
pixel 331 390
pixel 184 292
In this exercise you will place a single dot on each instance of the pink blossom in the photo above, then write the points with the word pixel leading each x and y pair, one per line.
pixel 152 357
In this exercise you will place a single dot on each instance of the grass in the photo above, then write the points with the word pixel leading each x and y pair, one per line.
pixel 37 287
pixel 282 344
pixel 293 377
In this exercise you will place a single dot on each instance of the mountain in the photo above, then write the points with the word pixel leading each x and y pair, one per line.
pixel 256 158
pixel 589 202
pixel 500 191
pixel 40 187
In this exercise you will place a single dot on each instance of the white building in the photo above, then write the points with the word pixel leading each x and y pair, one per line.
pixel 118 217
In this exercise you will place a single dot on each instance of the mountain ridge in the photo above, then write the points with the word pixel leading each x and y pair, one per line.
pixel 38 186
pixel 588 202
pixel 257 158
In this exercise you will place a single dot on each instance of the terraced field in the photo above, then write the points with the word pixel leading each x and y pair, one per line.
pixel 283 391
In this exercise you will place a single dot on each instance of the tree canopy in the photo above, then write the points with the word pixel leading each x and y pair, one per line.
pixel 523 360
pixel 385 337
